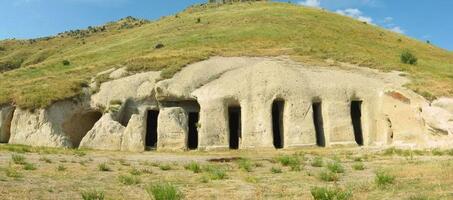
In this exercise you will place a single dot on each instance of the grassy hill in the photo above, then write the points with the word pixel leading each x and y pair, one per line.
pixel 34 74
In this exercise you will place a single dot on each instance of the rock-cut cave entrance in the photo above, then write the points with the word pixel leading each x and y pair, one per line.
pixel 79 124
pixel 151 128
pixel 192 140
pixel 319 124
pixel 277 123
pixel 234 124
pixel 356 116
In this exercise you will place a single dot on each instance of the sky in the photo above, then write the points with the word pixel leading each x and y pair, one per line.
pixel 421 19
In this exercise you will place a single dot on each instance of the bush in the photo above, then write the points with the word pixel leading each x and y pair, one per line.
pixel 164 191
pixel 317 162
pixel 66 62
pixel 92 195
pixel 18 159
pixel 129 179
pixel 276 170
pixel 194 167
pixel 335 167
pixel 358 166
pixel 328 176
pixel 29 166
pixel 323 193
pixel 408 58
pixel 383 178
pixel 104 167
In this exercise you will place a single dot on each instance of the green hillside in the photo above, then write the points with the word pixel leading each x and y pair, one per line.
pixel 34 74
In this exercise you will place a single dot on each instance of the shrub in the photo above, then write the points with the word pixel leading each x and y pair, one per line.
pixel 104 167
pixel 92 195
pixel 324 193
pixel 164 191
pixel 317 162
pixel 18 159
pixel 66 62
pixel 328 176
pixel 29 166
pixel 335 167
pixel 165 167
pixel 276 170
pixel 194 167
pixel 245 164
pixel 358 166
pixel 383 178
pixel 129 179
pixel 408 58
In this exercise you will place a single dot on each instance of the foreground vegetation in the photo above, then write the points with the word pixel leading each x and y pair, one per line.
pixel 313 173
pixel 39 71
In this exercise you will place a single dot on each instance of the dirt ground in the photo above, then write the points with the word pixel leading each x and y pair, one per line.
pixel 45 173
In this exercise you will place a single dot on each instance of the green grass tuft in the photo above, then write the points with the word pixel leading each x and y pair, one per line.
pixel 324 193
pixel 328 176
pixel 104 167
pixel 18 159
pixel 384 178
pixel 129 179
pixel 164 191
pixel 29 166
pixel 335 167
pixel 92 195
pixel 194 167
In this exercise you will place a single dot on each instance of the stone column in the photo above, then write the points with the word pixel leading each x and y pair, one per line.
pixel 172 129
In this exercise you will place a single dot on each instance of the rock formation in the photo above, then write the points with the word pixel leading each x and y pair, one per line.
pixel 239 102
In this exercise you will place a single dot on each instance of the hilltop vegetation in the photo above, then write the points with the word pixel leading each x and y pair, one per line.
pixel 33 74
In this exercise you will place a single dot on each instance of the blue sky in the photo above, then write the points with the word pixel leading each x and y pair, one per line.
pixel 421 19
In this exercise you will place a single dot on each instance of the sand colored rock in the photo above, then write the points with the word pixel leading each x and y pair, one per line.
pixel 6 116
pixel 172 129
pixel 244 103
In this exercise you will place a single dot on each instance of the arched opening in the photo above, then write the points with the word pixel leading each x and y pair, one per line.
pixel 151 128
pixel 356 116
pixel 319 124
pixel 277 123
pixel 79 124
pixel 234 125
pixel 6 119
pixel 192 140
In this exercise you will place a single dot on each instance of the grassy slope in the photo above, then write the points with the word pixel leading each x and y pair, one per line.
pixel 243 29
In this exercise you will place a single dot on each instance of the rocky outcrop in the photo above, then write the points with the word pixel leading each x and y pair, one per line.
pixel 6 116
pixel 226 103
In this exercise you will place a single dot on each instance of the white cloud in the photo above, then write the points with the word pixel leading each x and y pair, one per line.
pixel 397 29
pixel 356 14
pixel 311 3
